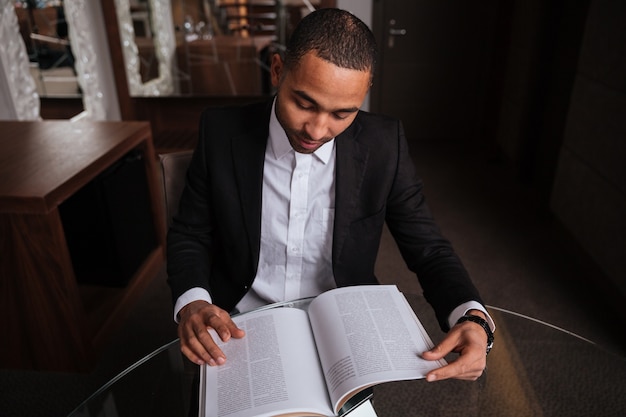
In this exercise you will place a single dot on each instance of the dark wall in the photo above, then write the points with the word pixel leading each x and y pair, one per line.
pixel 555 109
pixel 589 193
pixel 558 106
pixel 537 66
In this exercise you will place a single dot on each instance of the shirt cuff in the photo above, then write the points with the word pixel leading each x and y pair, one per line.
pixel 194 294
pixel 461 310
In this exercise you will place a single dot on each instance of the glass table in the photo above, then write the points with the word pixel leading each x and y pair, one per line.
pixel 534 370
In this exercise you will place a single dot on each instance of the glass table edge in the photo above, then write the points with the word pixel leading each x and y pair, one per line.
pixel 300 303
pixel 122 374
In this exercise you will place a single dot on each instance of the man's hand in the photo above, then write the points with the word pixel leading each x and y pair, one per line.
pixel 470 341
pixel 195 341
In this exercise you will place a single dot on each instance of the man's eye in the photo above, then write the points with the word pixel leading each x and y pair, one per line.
pixel 304 106
pixel 340 116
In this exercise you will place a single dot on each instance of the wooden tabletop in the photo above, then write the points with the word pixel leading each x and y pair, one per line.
pixel 43 163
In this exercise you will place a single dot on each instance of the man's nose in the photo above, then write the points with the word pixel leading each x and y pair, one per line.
pixel 317 127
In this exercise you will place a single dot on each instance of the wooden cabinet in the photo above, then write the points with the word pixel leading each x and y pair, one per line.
pixel 54 314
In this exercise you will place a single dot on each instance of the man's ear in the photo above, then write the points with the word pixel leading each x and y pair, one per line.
pixel 276 69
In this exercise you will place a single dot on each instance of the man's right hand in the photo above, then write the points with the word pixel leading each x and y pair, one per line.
pixel 195 341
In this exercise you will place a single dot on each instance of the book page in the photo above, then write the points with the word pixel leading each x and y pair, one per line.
pixel 273 370
pixel 367 335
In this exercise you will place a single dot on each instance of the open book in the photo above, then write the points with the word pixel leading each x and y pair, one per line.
pixel 294 362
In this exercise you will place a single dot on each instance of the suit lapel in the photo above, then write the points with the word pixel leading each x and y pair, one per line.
pixel 350 168
pixel 248 153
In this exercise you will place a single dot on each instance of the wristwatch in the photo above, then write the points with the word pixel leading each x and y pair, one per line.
pixel 483 323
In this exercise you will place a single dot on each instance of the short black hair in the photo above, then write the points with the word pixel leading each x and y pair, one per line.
pixel 336 36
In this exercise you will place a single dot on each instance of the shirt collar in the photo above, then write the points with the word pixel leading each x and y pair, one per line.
pixel 281 146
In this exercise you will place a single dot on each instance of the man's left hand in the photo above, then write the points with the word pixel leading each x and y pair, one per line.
pixel 469 340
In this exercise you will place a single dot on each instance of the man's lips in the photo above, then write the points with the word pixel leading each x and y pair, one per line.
pixel 306 143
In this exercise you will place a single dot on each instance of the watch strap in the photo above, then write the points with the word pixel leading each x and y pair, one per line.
pixel 483 323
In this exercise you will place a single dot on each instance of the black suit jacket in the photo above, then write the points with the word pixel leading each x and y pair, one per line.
pixel 215 237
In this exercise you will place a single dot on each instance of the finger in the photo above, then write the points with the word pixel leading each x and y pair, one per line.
pixel 456 371
pixel 191 355
pixel 446 346
pixel 205 346
pixel 225 327
pixel 198 345
pixel 185 347
pixel 470 365
pixel 453 371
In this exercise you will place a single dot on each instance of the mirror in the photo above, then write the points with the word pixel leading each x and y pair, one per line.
pixel 40 54
pixel 204 47
pixel 44 30
pixel 154 49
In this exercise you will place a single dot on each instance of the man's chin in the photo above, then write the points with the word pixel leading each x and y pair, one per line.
pixel 308 149
pixel 304 150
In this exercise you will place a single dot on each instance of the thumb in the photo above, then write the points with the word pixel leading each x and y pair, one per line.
pixel 442 349
pixel 434 354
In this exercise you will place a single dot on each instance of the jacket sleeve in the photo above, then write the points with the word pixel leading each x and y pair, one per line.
pixel 191 235
pixel 442 276
pixel 213 241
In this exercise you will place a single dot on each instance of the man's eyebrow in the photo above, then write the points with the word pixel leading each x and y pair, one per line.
pixel 310 99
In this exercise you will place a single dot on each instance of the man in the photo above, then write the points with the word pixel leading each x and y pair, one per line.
pixel 288 199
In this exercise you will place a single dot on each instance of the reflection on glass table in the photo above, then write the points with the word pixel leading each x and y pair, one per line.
pixel 534 370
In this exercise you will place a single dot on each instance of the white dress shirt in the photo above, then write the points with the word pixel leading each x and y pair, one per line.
pixel 297 217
